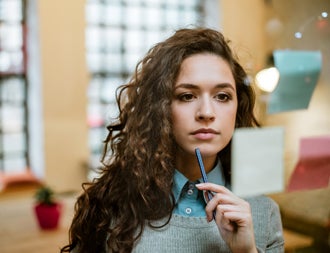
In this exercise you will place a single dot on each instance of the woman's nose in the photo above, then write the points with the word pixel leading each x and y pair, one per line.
pixel 205 110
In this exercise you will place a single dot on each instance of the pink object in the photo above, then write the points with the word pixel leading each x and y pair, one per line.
pixel 313 168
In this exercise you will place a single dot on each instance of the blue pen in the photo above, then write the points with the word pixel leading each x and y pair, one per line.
pixel 204 177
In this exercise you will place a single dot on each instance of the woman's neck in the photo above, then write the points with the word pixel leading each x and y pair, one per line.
pixel 188 166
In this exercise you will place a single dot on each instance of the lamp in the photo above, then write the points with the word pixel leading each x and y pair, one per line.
pixel 267 79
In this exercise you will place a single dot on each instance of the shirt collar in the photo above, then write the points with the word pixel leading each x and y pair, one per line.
pixel 179 180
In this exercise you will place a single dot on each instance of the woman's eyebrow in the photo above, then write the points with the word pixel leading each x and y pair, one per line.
pixel 225 85
pixel 186 86
pixel 193 86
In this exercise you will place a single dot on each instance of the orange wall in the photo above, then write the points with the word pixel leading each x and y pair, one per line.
pixel 242 22
pixel 64 84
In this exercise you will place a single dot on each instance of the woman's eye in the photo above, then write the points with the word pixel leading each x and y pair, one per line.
pixel 186 97
pixel 222 97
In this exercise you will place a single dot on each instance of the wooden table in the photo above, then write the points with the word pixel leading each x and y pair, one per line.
pixel 308 213
pixel 19 231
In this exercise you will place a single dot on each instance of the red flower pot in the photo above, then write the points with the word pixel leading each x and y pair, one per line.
pixel 48 216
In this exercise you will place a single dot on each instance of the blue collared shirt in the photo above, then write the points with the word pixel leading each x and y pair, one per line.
pixel 189 201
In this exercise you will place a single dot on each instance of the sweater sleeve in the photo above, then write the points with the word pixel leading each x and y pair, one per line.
pixel 275 237
pixel 267 224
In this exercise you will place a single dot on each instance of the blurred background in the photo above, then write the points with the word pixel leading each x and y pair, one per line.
pixel 61 62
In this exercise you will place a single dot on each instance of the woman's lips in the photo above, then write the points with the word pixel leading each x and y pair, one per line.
pixel 205 133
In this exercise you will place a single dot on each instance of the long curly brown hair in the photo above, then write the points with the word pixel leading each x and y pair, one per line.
pixel 135 186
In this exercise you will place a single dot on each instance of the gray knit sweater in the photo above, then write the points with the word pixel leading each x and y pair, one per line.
pixel 195 235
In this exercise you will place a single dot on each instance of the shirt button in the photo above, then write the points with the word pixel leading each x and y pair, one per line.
pixel 190 189
pixel 188 210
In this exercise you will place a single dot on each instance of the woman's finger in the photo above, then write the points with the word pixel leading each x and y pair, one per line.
pixel 213 187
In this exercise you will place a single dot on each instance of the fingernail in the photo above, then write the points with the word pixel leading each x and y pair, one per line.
pixel 198 185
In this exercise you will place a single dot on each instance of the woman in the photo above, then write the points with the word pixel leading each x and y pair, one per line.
pixel 188 92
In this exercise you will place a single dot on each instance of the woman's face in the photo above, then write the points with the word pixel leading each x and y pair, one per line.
pixel 204 105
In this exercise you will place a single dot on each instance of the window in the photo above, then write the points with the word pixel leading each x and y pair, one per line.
pixel 13 87
pixel 118 34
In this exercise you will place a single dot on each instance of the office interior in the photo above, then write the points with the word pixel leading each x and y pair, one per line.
pixel 59 79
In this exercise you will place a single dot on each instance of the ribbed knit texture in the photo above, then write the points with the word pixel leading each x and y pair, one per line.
pixel 196 235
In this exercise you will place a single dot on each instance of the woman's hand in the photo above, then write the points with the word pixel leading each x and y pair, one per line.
pixel 233 217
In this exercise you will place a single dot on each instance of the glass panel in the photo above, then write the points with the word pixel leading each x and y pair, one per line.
pixel 15 165
pixel 113 14
pixel 153 2
pixel 14 143
pixel 13 88
pixel 95 157
pixel 93 35
pixel 11 62
pixel 95 134
pixel 94 89
pixel 171 17
pixel 11 37
pixel 174 4
pixel 192 4
pixel 4 61
pixel 95 115
pixel 131 61
pixel 134 41
pixel 11 10
pixel 12 119
pixel 94 62
pixel 153 17
pixel 113 63
pixel 92 12
pixel 113 39
pixel 110 112
pixel 109 88
pixel 134 17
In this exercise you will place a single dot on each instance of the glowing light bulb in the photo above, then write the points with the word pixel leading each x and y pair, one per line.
pixel 298 35
pixel 267 79
pixel 324 14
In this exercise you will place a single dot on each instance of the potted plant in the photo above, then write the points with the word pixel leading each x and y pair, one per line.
pixel 47 209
